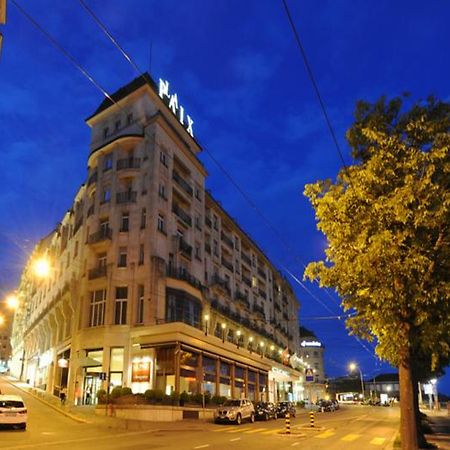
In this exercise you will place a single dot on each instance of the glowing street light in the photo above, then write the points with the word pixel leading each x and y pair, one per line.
pixel 12 301
pixel 206 317
pixel 42 267
pixel 352 367
pixel 2 320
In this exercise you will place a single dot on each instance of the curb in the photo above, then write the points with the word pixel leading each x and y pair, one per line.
pixel 64 413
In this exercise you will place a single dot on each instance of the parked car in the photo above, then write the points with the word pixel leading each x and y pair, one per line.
pixel 284 407
pixel 13 411
pixel 335 403
pixel 325 405
pixel 265 411
pixel 235 411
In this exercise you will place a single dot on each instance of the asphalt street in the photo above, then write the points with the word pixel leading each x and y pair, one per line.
pixel 350 428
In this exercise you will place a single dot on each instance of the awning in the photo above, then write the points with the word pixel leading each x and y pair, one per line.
pixel 88 362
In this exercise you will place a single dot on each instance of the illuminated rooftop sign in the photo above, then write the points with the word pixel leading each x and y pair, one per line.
pixel 311 344
pixel 178 110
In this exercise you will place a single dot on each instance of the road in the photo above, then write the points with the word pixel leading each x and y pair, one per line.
pixel 350 428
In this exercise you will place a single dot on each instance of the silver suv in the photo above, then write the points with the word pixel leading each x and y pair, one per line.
pixel 235 411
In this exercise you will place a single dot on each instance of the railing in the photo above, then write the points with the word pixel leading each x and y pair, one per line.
pixel 128 163
pixel 126 197
pixel 182 214
pixel 98 272
pixel 93 178
pixel 226 239
pixel 246 259
pixel 227 264
pixel 208 221
pixel 285 316
pixel 217 280
pixel 101 235
pixel 277 306
pixel 259 310
pixel 262 294
pixel 185 248
pixel 208 248
pixel 261 273
pixel 180 273
pixel 182 183
pixel 242 298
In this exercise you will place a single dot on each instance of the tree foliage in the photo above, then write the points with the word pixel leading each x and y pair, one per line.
pixel 386 219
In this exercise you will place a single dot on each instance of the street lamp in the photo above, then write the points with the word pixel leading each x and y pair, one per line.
pixel 12 301
pixel 261 344
pixel 224 325
pixel 42 267
pixel 250 343
pixel 238 341
pixel 206 317
pixel 352 367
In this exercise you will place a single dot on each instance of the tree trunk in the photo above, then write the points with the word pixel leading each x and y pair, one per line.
pixel 408 424
pixel 420 436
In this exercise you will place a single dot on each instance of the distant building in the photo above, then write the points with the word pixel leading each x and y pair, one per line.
pixel 153 284
pixel 311 350
pixel 5 337
pixel 385 383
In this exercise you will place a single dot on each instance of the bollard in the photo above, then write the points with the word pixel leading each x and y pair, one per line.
pixel 311 418
pixel 287 420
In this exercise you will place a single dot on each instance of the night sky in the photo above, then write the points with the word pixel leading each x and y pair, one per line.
pixel 239 74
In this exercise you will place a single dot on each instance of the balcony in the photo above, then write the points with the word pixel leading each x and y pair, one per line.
pixel 277 306
pixel 261 273
pixel 226 239
pixel 242 298
pixel 98 272
pixel 247 281
pixel 207 248
pixel 226 311
pixel 285 316
pixel 185 248
pixel 182 214
pixel 259 310
pixel 246 259
pixel 208 221
pixel 262 294
pixel 93 178
pixel 228 264
pixel 182 183
pixel 128 163
pixel 180 273
pixel 101 236
pixel 221 283
pixel 126 197
pixel 91 210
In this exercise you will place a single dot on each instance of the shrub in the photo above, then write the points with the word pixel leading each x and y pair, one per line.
pixel 126 391
pixel 175 397
pixel 218 400
pixel 207 398
pixel 159 395
pixel 101 396
pixel 149 395
pixel 116 392
pixel 184 397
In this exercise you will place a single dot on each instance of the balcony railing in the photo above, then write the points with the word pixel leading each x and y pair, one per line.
pixel 185 248
pixel 98 272
pixel 182 214
pixel 261 273
pixel 246 259
pixel 259 310
pixel 227 264
pixel 126 197
pixel 218 281
pixel 247 281
pixel 180 273
pixel 207 248
pixel 93 178
pixel 128 163
pixel 262 293
pixel 182 183
pixel 242 298
pixel 277 306
pixel 101 235
pixel 226 239
pixel 208 221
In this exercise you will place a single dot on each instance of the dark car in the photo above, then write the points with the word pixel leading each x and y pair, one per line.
pixel 286 407
pixel 325 405
pixel 265 411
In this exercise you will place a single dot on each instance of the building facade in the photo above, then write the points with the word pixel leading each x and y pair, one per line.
pixel 152 283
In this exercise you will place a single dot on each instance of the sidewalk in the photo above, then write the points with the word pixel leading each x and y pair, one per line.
pixel 440 424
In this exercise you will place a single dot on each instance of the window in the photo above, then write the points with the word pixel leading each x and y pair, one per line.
pixel 182 307
pixel 215 247
pixel 141 254
pixel 101 261
pixel 107 162
pixel 215 222
pixel 117 125
pixel 236 243
pixel 162 191
pixel 161 224
pixel 75 253
pixel 198 254
pixel 254 282
pixel 130 119
pixel 105 132
pixel 163 158
pixel 120 310
pixel 97 308
pixel 125 222
pixel 104 227
pixel 106 196
pixel 140 304
pixel 143 218
pixel 122 257
pixel 197 193
pixel 198 222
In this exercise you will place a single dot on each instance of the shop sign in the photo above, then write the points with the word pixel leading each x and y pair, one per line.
pixel 311 344
pixel 172 102
pixel 309 375
pixel 140 371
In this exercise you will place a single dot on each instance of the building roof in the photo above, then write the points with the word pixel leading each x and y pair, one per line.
pixel 386 377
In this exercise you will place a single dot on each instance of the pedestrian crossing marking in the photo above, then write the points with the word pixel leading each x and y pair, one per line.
pixel 275 431
pixel 325 434
pixel 238 430
pixel 377 441
pixel 350 437
pixel 256 430
pixel 221 429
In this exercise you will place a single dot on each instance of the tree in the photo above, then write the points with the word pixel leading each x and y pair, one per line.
pixel 386 219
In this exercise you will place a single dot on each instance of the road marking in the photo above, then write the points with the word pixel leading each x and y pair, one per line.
pixel 350 437
pixel 235 439
pixel 221 429
pixel 325 434
pixel 256 430
pixel 377 441
pixel 238 430
pixel 295 444
pixel 275 431
pixel 202 446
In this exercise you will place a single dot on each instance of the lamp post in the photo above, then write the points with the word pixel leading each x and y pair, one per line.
pixel 261 344
pixel 206 317
pixel 352 367
pixel 250 343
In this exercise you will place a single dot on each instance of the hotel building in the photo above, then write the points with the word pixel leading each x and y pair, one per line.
pixel 152 284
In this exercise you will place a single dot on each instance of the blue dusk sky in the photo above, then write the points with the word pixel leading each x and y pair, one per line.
pixel 239 74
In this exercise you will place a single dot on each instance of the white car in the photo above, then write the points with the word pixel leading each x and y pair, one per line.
pixel 235 411
pixel 13 411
